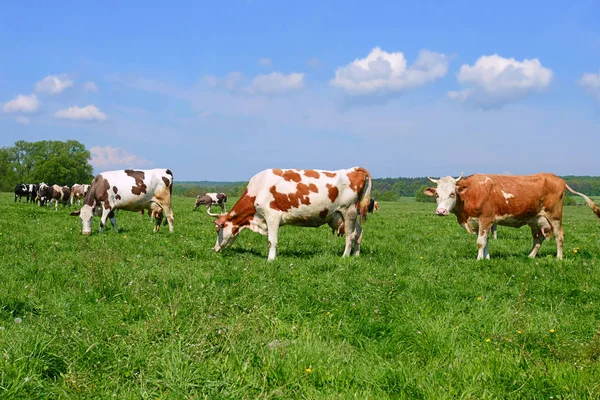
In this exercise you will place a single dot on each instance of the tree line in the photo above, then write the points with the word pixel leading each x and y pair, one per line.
pixel 50 161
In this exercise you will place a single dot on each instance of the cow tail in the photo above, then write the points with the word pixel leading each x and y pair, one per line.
pixel 589 201
pixel 366 195
pixel 168 171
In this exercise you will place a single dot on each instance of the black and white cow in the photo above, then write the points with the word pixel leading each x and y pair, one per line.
pixel 131 190
pixel 210 199
pixel 21 191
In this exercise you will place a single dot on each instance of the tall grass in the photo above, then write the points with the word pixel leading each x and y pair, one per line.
pixel 141 315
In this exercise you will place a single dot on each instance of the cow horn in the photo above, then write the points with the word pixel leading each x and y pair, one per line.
pixel 432 180
pixel 214 215
pixel 461 175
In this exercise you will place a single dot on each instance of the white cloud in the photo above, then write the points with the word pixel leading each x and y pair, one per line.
pixel 23 104
pixel 591 84
pixel 53 84
pixel 23 120
pixel 90 86
pixel 265 62
pixel 87 113
pixel 276 83
pixel 385 73
pixel 108 156
pixel 494 80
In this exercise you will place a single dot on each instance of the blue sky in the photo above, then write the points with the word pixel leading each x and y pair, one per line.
pixel 222 90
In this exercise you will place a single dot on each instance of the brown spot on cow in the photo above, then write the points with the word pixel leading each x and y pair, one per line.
pixel 288 175
pixel 118 197
pixel 240 215
pixel 333 192
pixel 324 213
pixel 285 202
pixel 167 182
pixel 98 192
pixel 140 187
pixel 311 173
pixel 357 179
pixel 115 190
pixel 329 174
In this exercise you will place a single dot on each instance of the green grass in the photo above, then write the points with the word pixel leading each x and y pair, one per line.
pixel 141 315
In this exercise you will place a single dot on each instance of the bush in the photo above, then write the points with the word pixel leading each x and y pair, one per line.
pixel 422 197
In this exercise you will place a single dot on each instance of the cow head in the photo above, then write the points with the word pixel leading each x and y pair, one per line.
pixel 445 194
pixel 197 201
pixel 86 213
pixel 225 233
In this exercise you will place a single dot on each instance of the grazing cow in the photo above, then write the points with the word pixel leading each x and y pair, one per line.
pixel 56 194
pixel 41 194
pixel 373 206
pixel 78 192
pixel 21 191
pixel 130 190
pixel 479 201
pixel 276 197
pixel 210 199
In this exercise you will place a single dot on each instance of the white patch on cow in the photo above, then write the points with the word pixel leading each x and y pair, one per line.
pixel 507 196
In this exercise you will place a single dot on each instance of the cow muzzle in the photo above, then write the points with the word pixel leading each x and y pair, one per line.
pixel 442 212
pixel 217 248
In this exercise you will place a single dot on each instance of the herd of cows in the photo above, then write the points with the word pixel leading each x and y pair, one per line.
pixel 311 198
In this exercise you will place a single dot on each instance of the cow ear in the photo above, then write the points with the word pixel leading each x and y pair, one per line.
pixel 76 213
pixel 429 191
pixel 461 190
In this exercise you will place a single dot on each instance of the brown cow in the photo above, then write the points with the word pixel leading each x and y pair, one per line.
pixel 479 200
pixel 56 194
pixel 276 197
pixel 78 192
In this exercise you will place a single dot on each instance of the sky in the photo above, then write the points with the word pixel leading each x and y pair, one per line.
pixel 222 90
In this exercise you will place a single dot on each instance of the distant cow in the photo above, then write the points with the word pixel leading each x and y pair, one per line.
pixel 210 199
pixel 479 201
pixel 41 194
pixel 373 205
pixel 78 192
pixel 130 190
pixel 56 194
pixel 21 191
pixel 32 188
pixel 276 197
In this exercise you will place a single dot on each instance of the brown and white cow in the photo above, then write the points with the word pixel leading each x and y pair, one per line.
pixel 480 200
pixel 276 197
pixel 130 190
pixel 210 199
pixel 55 194
pixel 78 192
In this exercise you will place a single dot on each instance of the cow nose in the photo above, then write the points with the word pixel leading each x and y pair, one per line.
pixel 217 248
pixel 441 211
pixel 86 233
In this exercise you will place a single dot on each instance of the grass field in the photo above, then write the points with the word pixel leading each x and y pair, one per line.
pixel 141 315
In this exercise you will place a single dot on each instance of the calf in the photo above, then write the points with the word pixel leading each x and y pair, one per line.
pixel 130 190
pixel 78 192
pixel 276 197
pixel 210 199
pixel 21 191
pixel 480 201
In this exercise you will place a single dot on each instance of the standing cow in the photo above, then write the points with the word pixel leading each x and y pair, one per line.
pixel 276 197
pixel 78 192
pixel 479 200
pixel 21 191
pixel 210 199
pixel 130 190
pixel 55 194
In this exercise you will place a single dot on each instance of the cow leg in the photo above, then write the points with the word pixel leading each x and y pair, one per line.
pixel 113 220
pixel 538 239
pixel 559 235
pixel 224 207
pixel 350 230
pixel 272 233
pixel 358 240
pixel 482 240
pixel 495 231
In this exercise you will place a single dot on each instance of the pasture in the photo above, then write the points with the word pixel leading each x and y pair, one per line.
pixel 142 315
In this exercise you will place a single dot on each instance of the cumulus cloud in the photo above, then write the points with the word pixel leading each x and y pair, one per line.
pixel 90 86
pixel 22 104
pixel 386 73
pixel 23 120
pixel 494 80
pixel 87 113
pixel 265 62
pixel 53 84
pixel 108 156
pixel 276 83
pixel 591 84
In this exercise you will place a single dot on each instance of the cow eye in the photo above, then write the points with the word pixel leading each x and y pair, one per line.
pixel 451 194
pixel 437 195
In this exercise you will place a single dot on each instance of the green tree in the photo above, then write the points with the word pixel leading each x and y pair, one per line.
pixel 422 197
